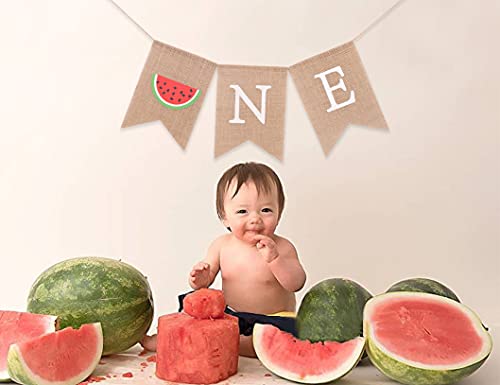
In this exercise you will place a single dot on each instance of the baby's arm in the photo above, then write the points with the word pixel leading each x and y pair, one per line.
pixel 203 273
pixel 286 266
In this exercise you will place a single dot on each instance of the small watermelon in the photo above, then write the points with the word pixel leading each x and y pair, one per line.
pixel 17 327
pixel 90 289
pixel 303 361
pixel 424 339
pixel 423 285
pixel 173 94
pixel 332 310
pixel 65 357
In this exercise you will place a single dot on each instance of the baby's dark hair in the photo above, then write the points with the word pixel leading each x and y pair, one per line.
pixel 260 174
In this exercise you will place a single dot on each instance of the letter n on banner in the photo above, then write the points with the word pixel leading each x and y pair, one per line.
pixel 336 92
pixel 250 106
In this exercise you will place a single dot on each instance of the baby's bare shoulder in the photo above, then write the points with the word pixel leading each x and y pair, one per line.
pixel 284 244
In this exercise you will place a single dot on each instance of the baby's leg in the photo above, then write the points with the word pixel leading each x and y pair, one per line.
pixel 246 347
pixel 149 343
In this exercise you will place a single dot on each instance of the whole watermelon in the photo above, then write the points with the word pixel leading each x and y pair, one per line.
pixel 423 285
pixel 92 289
pixel 332 310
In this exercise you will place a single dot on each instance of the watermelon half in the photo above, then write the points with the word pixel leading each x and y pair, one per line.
pixel 65 357
pixel 18 327
pixel 173 94
pixel 424 339
pixel 304 361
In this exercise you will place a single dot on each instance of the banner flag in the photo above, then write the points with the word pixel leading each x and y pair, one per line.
pixel 250 107
pixel 171 89
pixel 336 92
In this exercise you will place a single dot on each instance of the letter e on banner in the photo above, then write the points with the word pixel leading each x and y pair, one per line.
pixel 239 94
pixel 329 89
pixel 340 74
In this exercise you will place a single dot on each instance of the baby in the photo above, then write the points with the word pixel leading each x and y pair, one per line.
pixel 260 270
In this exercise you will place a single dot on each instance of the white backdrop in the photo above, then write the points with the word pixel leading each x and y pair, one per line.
pixel 420 200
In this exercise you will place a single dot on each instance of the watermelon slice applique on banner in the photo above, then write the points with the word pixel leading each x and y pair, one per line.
pixel 172 94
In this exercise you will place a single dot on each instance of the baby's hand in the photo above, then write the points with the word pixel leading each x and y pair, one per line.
pixel 267 247
pixel 200 275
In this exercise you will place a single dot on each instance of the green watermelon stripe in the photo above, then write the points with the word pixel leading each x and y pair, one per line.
pixel 332 310
pixel 424 285
pixel 172 106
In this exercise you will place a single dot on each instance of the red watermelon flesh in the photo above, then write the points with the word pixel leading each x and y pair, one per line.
pixel 205 303
pixel 197 351
pixel 426 330
pixel 18 327
pixel 67 356
pixel 173 94
pixel 302 360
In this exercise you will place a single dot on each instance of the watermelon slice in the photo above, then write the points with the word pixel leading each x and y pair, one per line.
pixel 173 94
pixel 304 361
pixel 65 357
pixel 19 327
pixel 420 338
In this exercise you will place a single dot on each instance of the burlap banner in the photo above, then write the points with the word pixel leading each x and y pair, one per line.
pixel 336 92
pixel 250 107
pixel 171 89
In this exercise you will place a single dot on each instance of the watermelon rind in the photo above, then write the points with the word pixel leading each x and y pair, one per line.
pixel 169 105
pixel 423 285
pixel 325 377
pixel 95 289
pixel 332 310
pixel 414 373
pixel 20 372
pixel 51 324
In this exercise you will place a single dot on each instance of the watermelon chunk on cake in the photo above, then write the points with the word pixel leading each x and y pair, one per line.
pixel 173 94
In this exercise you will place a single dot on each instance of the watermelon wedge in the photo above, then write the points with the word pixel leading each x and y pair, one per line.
pixel 173 94
pixel 424 339
pixel 65 357
pixel 304 361
pixel 18 327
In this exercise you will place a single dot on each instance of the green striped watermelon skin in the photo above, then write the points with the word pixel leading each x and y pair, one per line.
pixel 423 285
pixel 332 310
pixel 92 289
pixel 409 375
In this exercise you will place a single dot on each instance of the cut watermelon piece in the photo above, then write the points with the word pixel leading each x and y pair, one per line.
pixel 173 94
pixel 205 304
pixel 304 361
pixel 65 357
pixel 420 338
pixel 18 327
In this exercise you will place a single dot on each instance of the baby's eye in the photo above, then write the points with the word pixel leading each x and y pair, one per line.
pixel 267 210
pixel 242 211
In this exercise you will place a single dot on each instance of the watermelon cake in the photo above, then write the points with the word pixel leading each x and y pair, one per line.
pixel 173 94
pixel 194 350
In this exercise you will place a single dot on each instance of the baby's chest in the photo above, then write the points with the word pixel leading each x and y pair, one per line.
pixel 244 266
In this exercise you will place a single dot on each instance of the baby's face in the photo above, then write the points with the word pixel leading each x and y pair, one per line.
pixel 250 213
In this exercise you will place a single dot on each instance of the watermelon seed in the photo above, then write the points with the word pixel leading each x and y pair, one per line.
pixel 163 93
pixel 157 81
pixel 164 83
pixel 161 87
pixel 190 90
pixel 171 98
pixel 178 100
pixel 173 93
pixel 175 87
pixel 168 89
